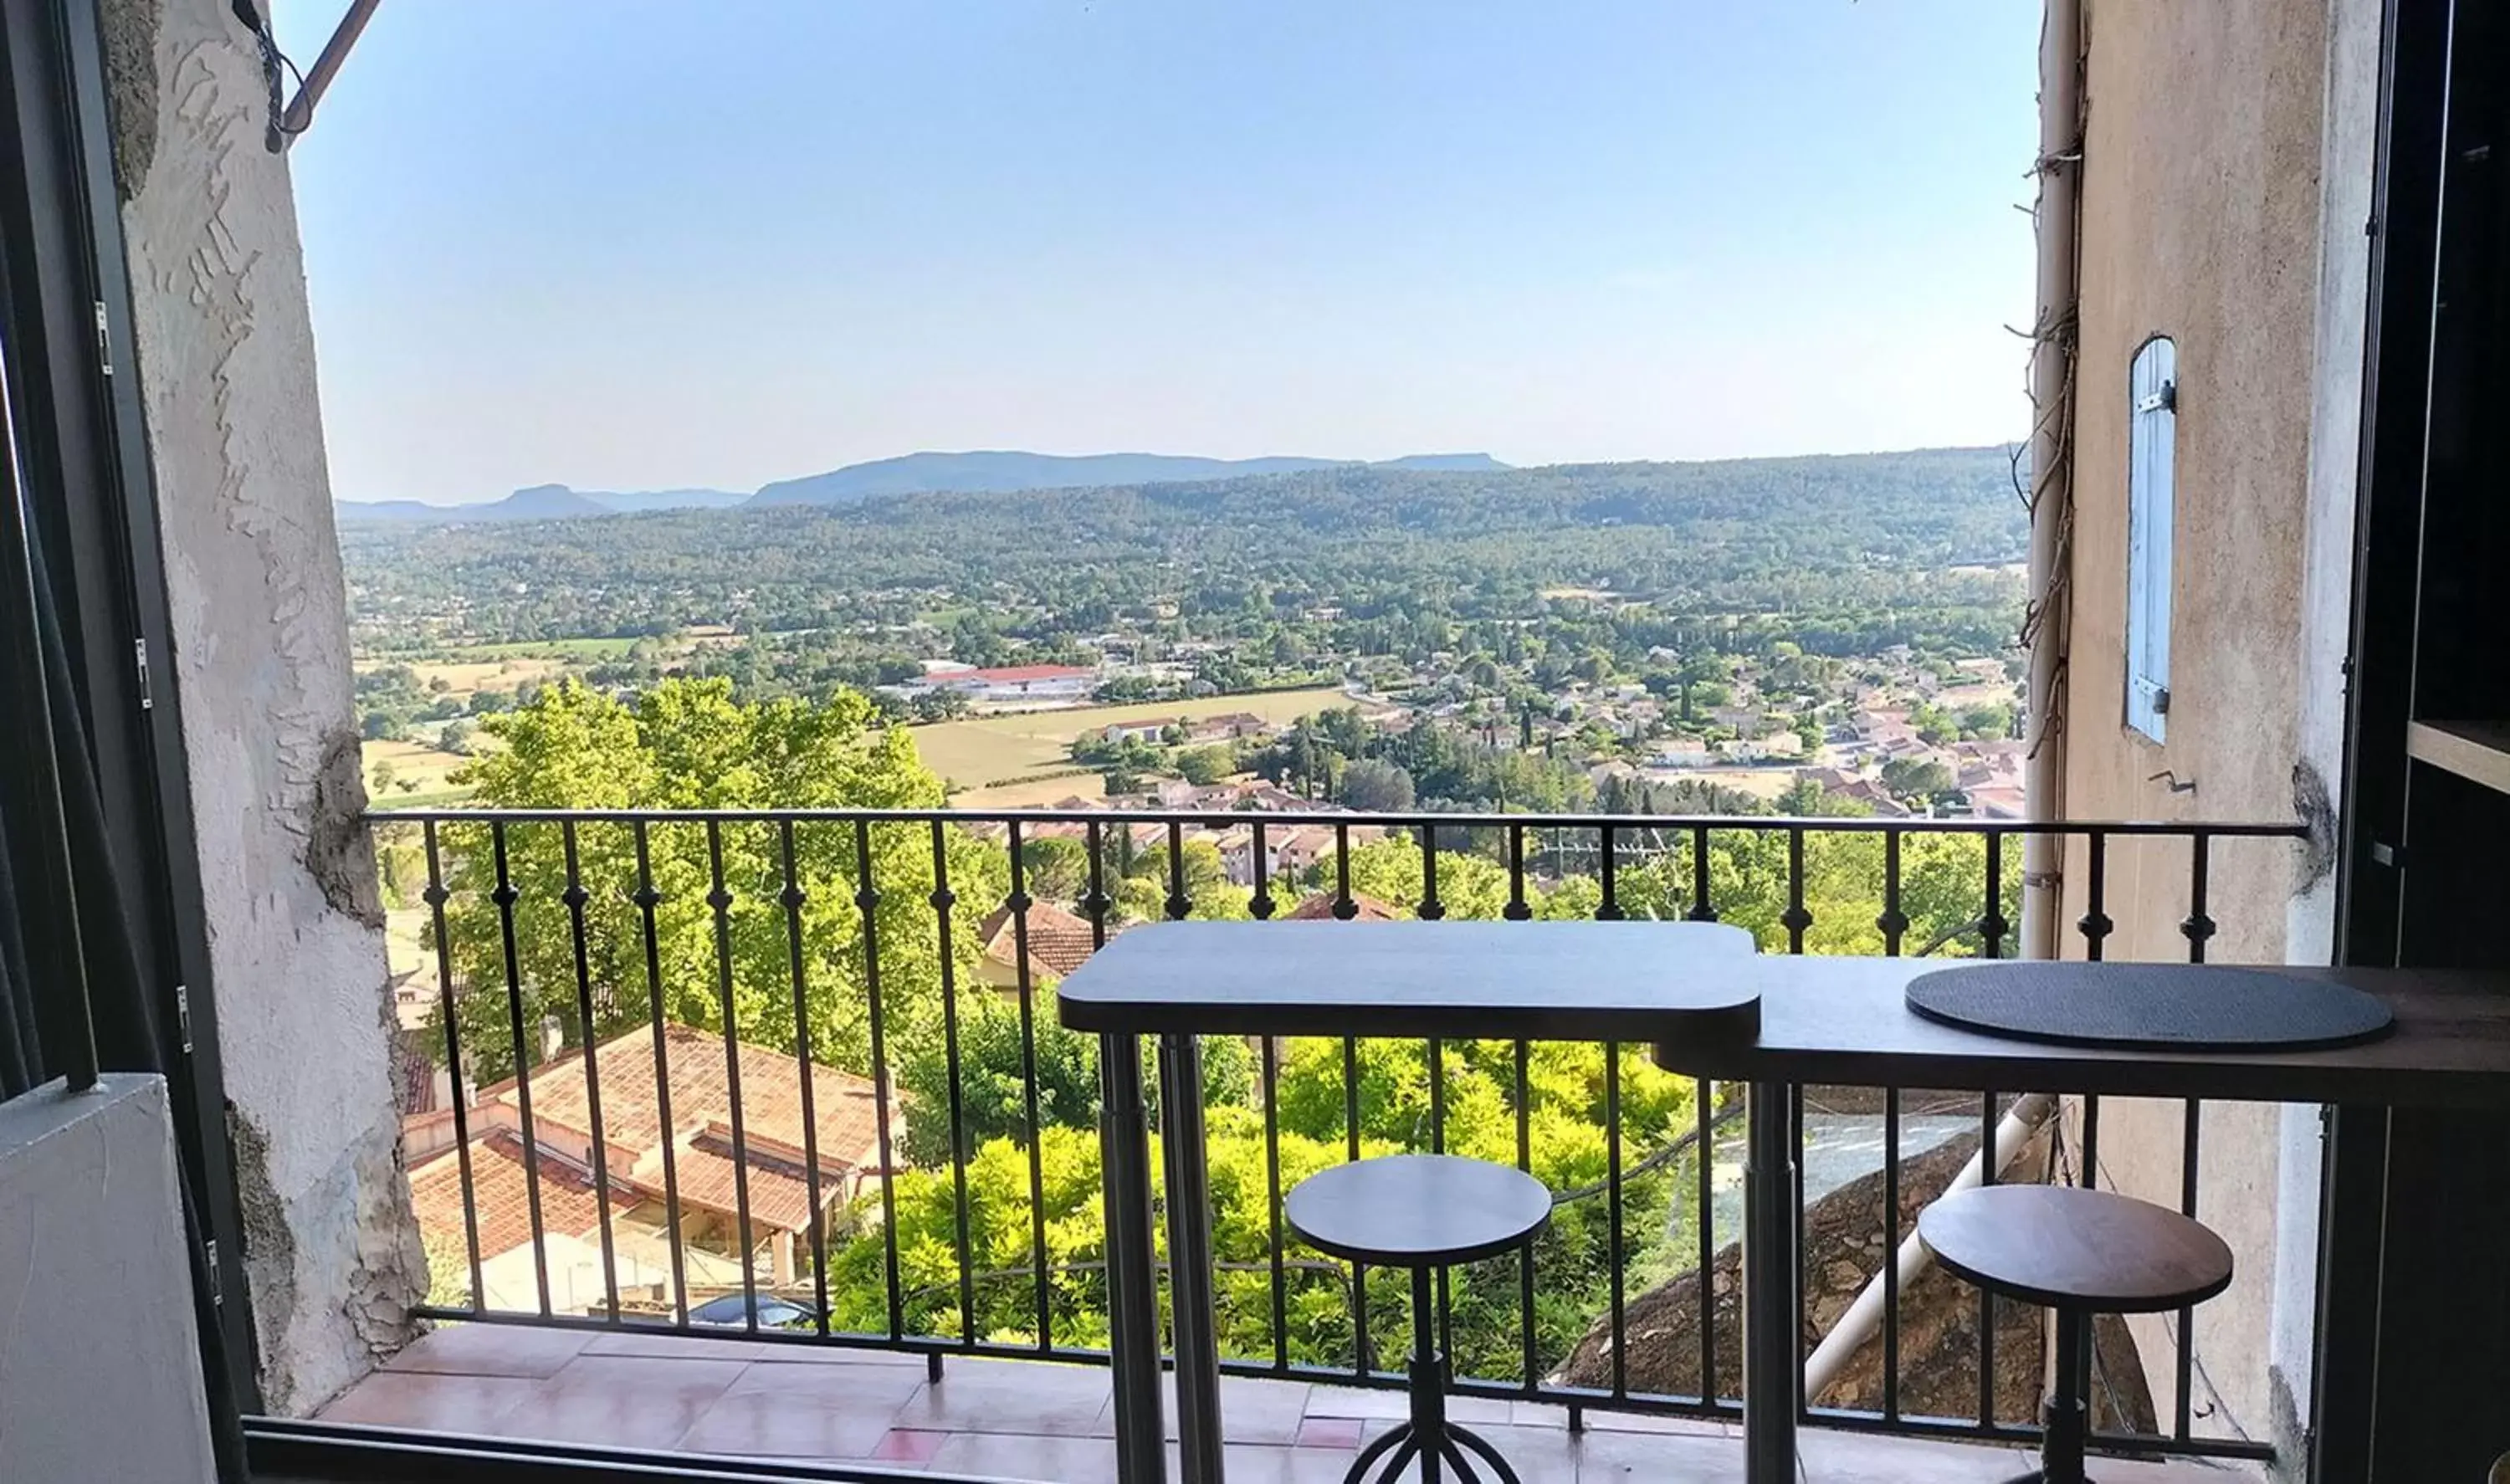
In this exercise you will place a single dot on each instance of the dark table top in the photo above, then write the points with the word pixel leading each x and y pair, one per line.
pixel 1716 1009
pixel 1845 1021
pixel 1537 981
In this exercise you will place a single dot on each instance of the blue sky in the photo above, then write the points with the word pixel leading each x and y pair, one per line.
pixel 627 243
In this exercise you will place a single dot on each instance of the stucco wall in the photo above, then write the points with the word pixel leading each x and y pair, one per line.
pixel 99 1362
pixel 2227 172
pixel 226 363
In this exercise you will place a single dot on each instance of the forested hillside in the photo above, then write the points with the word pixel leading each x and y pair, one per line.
pixel 1861 534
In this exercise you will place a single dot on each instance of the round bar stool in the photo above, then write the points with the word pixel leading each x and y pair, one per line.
pixel 2079 1253
pixel 1421 1212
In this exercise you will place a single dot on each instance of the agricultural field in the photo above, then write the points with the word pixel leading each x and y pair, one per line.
pixel 414 763
pixel 981 752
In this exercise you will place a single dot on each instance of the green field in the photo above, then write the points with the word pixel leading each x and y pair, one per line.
pixel 985 750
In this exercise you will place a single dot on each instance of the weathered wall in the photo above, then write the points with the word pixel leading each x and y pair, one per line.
pixel 226 363
pixel 99 1362
pixel 2225 179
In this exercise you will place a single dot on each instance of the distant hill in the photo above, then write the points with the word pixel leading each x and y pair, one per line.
pixel 914 473
pixel 633 502
pixel 1003 473
pixel 539 502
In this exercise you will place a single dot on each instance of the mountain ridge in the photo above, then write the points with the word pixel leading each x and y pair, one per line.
pixel 980 471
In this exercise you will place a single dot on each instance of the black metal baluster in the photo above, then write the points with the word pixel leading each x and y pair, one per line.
pixel 1992 926
pixel 1268 1052
pixel 1892 1254
pixel 1260 905
pixel 1704 1093
pixel 647 900
pixel 1437 1146
pixel 575 897
pixel 941 899
pixel 1701 909
pixel 2095 922
pixel 792 898
pixel 1095 905
pixel 1610 911
pixel 867 901
pixel 505 897
pixel 435 899
pixel 1432 909
pixel 1517 910
pixel 1613 1212
pixel 1363 1359
pixel 1525 1163
pixel 719 899
pixel 1019 902
pixel 1178 904
pixel 1796 920
pixel 1343 907
pixel 2198 928
pixel 1893 922
pixel 2096 928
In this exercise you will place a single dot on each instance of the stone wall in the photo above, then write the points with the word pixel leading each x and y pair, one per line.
pixel 1845 1246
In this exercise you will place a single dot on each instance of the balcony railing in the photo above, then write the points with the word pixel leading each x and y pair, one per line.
pixel 841 1110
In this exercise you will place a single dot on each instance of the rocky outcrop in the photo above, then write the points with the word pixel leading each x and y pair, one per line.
pixel 1938 1330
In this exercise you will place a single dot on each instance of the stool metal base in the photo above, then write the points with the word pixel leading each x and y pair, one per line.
pixel 1406 1444
pixel 1426 1437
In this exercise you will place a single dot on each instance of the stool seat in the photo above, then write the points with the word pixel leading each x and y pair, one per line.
pixel 2069 1248
pixel 1418 1210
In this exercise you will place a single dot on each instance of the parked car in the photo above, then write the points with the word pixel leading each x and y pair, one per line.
pixel 774 1313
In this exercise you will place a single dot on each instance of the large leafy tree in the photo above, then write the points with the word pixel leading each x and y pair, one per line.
pixel 762 921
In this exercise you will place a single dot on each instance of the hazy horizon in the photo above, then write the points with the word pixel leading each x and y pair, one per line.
pixel 587 243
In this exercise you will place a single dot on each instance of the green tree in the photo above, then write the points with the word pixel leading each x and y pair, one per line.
pixel 687 745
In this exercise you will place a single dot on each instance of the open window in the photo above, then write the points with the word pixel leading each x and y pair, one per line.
pixel 2153 419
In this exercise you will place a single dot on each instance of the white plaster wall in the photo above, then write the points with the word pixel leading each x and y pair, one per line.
pixel 226 362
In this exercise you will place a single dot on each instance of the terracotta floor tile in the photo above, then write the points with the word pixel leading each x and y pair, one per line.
pixel 437 1403
pixel 1010 1397
pixel 1361 1401
pixel 1271 1464
pixel 1252 1410
pixel 622 1400
pixel 775 1424
pixel 1342 1432
pixel 492 1349
pixel 907 1445
pixel 1047 1459
pixel 878 1388
pixel 672 1347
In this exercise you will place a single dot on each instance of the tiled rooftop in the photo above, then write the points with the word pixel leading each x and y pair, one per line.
pixel 1027 1420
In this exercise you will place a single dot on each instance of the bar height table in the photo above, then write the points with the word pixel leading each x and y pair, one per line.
pixel 1637 982
pixel 1713 1008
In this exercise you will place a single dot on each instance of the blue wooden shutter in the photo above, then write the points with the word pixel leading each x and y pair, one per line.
pixel 2153 441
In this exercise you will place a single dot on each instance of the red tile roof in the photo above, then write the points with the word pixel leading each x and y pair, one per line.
pixel 771 1096
pixel 569 1206
pixel 1058 941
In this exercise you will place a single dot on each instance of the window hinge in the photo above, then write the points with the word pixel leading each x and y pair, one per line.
pixel 147 691
pixel 103 339
pixel 217 1279
pixel 183 1016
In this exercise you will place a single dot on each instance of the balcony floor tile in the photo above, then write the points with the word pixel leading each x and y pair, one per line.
pixel 1034 1420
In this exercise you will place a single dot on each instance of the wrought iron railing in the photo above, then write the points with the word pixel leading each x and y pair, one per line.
pixel 899 962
